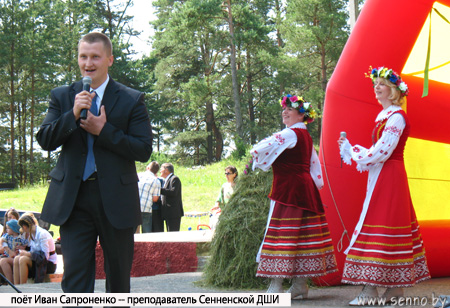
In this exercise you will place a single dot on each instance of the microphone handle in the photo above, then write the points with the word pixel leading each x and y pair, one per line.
pixel 83 113
pixel 344 135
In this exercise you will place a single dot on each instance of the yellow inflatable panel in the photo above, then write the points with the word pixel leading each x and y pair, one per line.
pixel 428 169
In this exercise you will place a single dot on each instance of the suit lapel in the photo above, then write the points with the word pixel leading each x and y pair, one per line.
pixel 167 181
pixel 110 97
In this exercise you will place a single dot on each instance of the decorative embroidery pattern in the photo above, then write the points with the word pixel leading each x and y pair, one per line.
pixel 393 130
pixel 279 139
pixel 309 266
pixel 404 275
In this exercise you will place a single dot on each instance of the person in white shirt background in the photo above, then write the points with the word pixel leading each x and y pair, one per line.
pixel 149 192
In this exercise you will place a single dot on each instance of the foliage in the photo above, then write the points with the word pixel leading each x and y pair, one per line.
pixel 279 49
pixel 38 51
pixel 239 234
pixel 279 46
pixel 241 150
pixel 315 33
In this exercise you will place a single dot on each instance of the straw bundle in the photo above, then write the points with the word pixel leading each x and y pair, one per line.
pixel 239 234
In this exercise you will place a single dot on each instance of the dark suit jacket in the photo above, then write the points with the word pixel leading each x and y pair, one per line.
pixel 172 205
pixel 125 138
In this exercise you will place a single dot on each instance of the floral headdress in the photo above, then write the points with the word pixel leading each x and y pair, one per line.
pixel 300 104
pixel 389 74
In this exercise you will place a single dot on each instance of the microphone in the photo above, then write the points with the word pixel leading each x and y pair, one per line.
pixel 343 135
pixel 86 87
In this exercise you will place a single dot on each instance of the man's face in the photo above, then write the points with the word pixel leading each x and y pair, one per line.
pixel 164 172
pixel 94 62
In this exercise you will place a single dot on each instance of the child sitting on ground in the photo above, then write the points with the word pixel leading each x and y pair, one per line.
pixel 11 241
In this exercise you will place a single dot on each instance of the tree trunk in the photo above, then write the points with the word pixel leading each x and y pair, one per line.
pixel 280 45
pixel 237 103
pixel 251 108
pixel 22 115
pixel 353 12
pixel 12 112
pixel 219 141
pixel 33 93
pixel 209 130
pixel 33 99
pixel 324 85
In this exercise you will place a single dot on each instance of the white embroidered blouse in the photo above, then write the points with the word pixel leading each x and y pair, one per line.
pixel 267 151
pixel 378 153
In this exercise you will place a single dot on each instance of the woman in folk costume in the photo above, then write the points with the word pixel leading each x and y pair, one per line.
pixel 386 249
pixel 297 242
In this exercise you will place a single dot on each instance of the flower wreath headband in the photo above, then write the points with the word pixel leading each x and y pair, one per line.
pixel 389 74
pixel 300 104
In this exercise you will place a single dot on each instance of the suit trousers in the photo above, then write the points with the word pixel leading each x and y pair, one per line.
pixel 79 234
pixel 146 226
pixel 157 221
pixel 173 224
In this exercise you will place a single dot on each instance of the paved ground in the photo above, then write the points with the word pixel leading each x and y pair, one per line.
pixel 186 283
pixel 333 297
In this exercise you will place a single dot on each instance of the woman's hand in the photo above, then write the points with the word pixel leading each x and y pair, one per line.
pixel 341 140
pixel 12 253
pixel 24 253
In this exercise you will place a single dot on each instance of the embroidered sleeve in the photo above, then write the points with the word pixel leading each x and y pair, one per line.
pixel 316 169
pixel 345 151
pixel 267 150
pixel 378 153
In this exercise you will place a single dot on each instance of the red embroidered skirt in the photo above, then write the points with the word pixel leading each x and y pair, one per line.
pixel 297 244
pixel 389 251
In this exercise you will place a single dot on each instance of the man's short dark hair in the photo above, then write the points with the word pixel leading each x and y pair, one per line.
pixel 153 167
pixel 95 37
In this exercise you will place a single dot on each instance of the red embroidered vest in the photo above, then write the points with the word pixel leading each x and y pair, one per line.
pixel 292 183
pixel 380 127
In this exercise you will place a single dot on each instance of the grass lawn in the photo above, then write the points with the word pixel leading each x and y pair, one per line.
pixel 200 188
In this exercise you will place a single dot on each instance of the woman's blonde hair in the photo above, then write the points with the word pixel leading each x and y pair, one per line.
pixel 27 219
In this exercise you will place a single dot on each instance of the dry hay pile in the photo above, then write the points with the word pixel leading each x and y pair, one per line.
pixel 239 234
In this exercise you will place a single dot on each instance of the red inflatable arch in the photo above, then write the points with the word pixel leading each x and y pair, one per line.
pixel 393 34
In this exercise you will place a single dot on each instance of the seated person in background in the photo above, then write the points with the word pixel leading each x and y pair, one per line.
pixel 41 259
pixel 226 191
pixel 11 242
pixel 10 214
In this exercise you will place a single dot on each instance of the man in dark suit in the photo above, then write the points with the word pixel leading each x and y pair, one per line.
pixel 172 205
pixel 93 190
